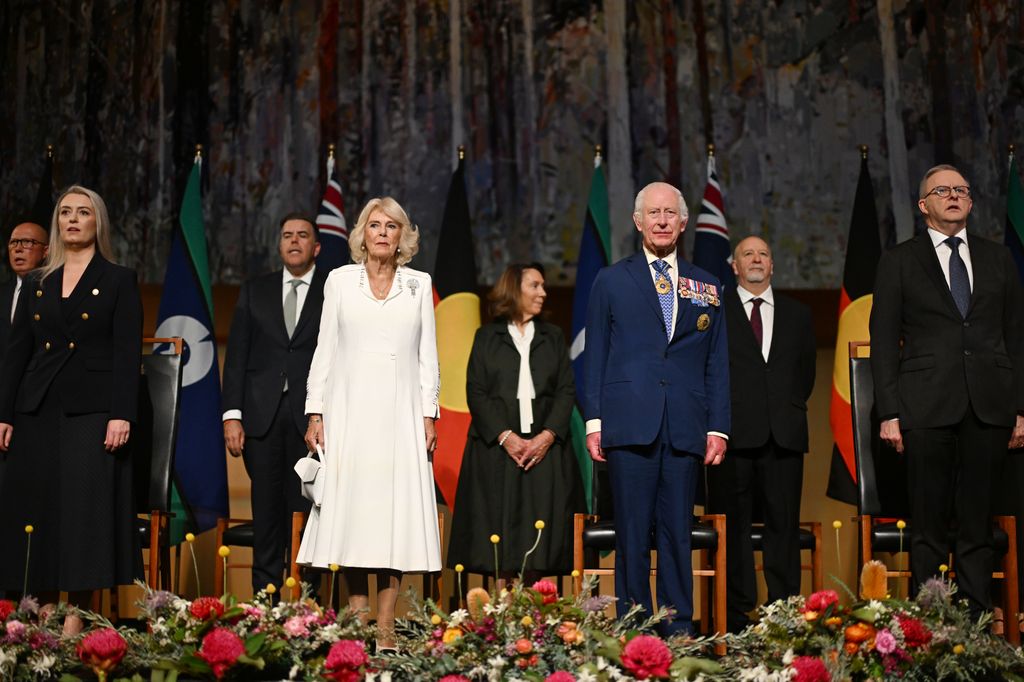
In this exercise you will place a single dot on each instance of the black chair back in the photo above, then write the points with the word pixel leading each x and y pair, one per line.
pixel 156 433
pixel 881 472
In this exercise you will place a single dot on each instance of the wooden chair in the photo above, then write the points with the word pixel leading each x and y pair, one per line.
pixel 810 540
pixel 233 532
pixel 882 499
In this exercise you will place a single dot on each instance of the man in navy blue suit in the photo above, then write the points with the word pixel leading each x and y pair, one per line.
pixel 656 400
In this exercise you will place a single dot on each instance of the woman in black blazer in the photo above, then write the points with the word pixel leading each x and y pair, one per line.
pixel 518 466
pixel 68 396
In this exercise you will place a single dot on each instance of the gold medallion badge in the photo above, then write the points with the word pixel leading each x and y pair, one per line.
pixel 703 322
pixel 662 285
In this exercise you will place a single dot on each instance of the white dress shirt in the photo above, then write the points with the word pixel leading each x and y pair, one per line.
pixel 17 291
pixel 944 253
pixel 300 293
pixel 767 315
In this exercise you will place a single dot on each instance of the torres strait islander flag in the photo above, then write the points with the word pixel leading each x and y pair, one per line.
pixel 863 249
pixel 457 313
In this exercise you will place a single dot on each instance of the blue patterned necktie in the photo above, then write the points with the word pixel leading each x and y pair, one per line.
pixel 959 283
pixel 663 286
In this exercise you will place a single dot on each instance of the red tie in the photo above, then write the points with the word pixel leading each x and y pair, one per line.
pixel 755 321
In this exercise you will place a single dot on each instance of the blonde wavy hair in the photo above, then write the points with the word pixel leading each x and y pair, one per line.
pixel 408 241
pixel 57 255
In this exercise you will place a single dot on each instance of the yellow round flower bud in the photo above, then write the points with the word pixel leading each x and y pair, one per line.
pixel 190 537
pixel 435 619
pixel 334 568
pixel 958 649
pixel 224 551
pixel 837 524
pixel 495 539
pixel 290 582
pixel 526 621
pixel 901 524
pixel 459 568
pixel 29 529
pixel 271 589
pixel 943 568
pixel 575 573
pixel 539 525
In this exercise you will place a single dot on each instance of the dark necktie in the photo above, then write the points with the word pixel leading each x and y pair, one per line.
pixel 755 321
pixel 959 283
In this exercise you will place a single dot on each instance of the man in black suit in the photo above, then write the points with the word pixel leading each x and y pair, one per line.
pixel 772 359
pixel 947 352
pixel 26 251
pixel 273 336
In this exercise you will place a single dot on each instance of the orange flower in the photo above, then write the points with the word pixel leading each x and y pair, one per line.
pixel 851 648
pixel 451 634
pixel 834 621
pixel 524 646
pixel 859 632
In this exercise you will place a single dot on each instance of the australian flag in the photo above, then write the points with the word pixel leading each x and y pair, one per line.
pixel 330 220
pixel 711 248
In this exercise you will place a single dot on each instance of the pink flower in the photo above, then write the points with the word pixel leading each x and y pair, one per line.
pixel 207 608
pixel 6 609
pixel 547 589
pixel 453 678
pixel 645 656
pixel 560 676
pixel 221 649
pixel 819 601
pixel 885 642
pixel 296 627
pixel 810 669
pixel 345 660
pixel 102 650
pixel 15 630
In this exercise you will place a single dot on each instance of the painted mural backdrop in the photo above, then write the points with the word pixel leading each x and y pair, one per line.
pixel 124 89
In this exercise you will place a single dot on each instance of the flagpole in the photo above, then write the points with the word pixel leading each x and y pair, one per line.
pixel 49 151
pixel 462 152
pixel 712 164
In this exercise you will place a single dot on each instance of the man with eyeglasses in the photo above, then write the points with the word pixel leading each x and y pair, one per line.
pixel 947 355
pixel 26 250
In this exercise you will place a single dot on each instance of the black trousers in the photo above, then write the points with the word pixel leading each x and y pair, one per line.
pixel 768 480
pixel 269 460
pixel 952 472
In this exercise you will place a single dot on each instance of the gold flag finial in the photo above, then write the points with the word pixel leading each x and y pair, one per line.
pixel 711 148
pixel 49 151
pixel 199 153
pixel 462 152
pixel 1011 148
pixel 330 151
pixel 597 151
pixel 863 151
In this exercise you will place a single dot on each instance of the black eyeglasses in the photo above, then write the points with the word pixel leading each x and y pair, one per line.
pixel 24 243
pixel 962 191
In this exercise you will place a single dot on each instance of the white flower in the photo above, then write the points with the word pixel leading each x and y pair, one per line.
pixel 586 676
pixel 457 617
pixel 787 658
pixel 497 662
pixel 41 663
pixel 490 609
pixel 294 672
pixel 385 676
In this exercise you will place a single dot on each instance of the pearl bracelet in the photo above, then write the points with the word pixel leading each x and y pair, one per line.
pixel 504 437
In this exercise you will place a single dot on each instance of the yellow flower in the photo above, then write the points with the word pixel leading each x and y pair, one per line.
pixel 526 621
pixel 837 524
pixel 334 568
pixel 224 551
pixel 575 573
pixel 495 539
pixel 29 529
pixel 539 525
pixel 459 568
pixel 270 588
pixel 901 524
pixel 450 635
pixel 943 568
pixel 958 649
pixel 190 537
pixel 290 582
pixel 435 619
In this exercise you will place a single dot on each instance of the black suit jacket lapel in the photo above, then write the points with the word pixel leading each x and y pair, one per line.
pixel 926 254
pixel 6 302
pixel 982 267
pixel 91 281
pixel 309 307
pixel 734 309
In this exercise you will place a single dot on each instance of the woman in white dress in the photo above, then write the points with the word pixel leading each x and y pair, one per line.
pixel 372 401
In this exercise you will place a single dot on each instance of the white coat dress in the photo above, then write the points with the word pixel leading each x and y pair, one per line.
pixel 374 377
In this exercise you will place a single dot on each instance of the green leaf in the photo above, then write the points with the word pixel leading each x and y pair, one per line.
pixel 254 643
pixel 689 667
pixel 865 614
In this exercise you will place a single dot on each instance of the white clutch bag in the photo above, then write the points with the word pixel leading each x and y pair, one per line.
pixel 311 476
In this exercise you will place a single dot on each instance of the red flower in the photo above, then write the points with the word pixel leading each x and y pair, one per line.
pixel 915 634
pixel 7 607
pixel 221 649
pixel 560 676
pixel 207 608
pixel 102 650
pixel 819 601
pixel 345 660
pixel 810 669
pixel 453 678
pixel 645 656
pixel 547 589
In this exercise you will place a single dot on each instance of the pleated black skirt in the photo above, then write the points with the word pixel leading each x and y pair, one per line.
pixel 59 479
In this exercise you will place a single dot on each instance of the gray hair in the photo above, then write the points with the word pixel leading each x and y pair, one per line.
pixel 922 189
pixel 638 204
